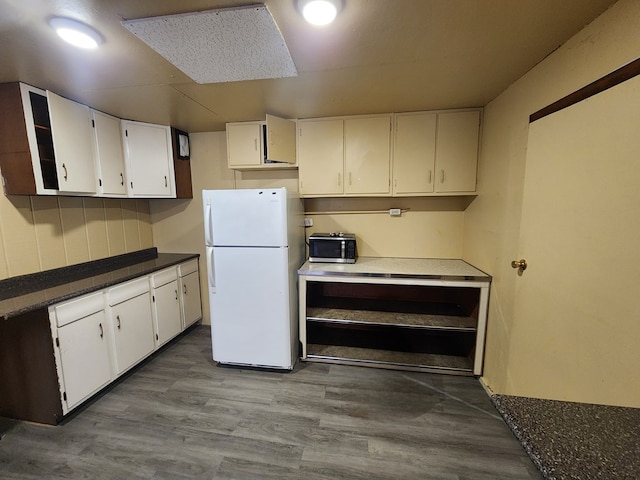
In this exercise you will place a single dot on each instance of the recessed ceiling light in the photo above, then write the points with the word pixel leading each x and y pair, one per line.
pixel 319 12
pixel 76 33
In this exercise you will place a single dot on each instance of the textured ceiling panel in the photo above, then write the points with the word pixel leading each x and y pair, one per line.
pixel 216 46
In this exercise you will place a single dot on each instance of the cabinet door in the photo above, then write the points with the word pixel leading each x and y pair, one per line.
pixel 166 310
pixel 415 154
pixel 320 157
pixel 133 331
pixel 26 146
pixel 243 144
pixel 149 160
pixel 367 155
pixel 457 151
pixel 281 139
pixel 190 299
pixel 73 144
pixel 84 355
pixel 109 154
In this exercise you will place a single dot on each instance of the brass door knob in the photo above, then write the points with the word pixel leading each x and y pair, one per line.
pixel 519 264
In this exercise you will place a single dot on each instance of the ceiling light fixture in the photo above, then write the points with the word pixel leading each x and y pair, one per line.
pixel 76 33
pixel 319 12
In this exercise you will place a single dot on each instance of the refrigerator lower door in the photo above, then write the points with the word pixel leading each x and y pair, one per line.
pixel 250 316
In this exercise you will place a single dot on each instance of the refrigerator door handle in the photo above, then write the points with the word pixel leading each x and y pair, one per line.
pixel 208 234
pixel 211 275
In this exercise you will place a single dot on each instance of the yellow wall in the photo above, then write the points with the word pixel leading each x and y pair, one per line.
pixel 45 232
pixel 429 228
pixel 178 224
pixel 492 221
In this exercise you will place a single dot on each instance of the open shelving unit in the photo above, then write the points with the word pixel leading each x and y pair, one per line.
pixel 411 314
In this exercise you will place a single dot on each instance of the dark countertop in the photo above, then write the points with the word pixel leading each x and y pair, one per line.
pixel 25 293
pixel 569 440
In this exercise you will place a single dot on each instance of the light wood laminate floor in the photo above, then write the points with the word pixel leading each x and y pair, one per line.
pixel 179 416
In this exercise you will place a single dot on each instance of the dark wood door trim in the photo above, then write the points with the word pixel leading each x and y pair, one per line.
pixel 612 79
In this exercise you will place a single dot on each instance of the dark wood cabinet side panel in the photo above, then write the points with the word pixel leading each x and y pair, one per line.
pixel 15 155
pixel 13 130
pixel 182 170
pixel 28 379
pixel 17 171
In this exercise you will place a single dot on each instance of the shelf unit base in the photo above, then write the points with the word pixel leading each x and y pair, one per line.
pixel 367 357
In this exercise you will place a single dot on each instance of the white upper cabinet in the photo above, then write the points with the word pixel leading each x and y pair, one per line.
pixel 280 140
pixel 321 157
pixel 73 144
pixel 344 157
pixel 149 159
pixel 50 145
pixel 414 153
pixel 457 151
pixel 109 155
pixel 244 144
pixel 261 145
pixel 436 153
pixel 367 155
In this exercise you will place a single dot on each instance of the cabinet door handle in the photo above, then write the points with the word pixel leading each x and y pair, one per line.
pixel 165 181
pixel 339 179
pixel 176 295
pixel 430 175
pixel 101 330
pixel 131 185
pixel 255 144
pixel 64 167
pixel 349 178
pixel 121 179
pixel 441 176
pixel 184 289
pixel 118 319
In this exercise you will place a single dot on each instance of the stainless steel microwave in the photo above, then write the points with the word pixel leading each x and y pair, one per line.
pixel 332 247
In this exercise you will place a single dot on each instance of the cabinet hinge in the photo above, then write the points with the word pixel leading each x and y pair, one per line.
pixel 64 396
pixel 57 342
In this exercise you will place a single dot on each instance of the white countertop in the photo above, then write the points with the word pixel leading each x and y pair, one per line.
pixel 436 268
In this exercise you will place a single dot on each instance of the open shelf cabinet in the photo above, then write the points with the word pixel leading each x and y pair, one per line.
pixel 410 323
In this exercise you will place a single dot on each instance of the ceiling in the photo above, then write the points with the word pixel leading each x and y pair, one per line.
pixel 378 56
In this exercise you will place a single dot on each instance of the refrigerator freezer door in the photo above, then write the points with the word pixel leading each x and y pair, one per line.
pixel 250 317
pixel 250 218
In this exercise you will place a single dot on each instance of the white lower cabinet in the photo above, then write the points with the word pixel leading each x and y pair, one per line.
pixel 82 348
pixel 189 289
pixel 131 323
pixel 99 336
pixel 166 305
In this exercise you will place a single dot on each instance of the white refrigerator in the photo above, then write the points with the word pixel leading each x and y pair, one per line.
pixel 254 247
